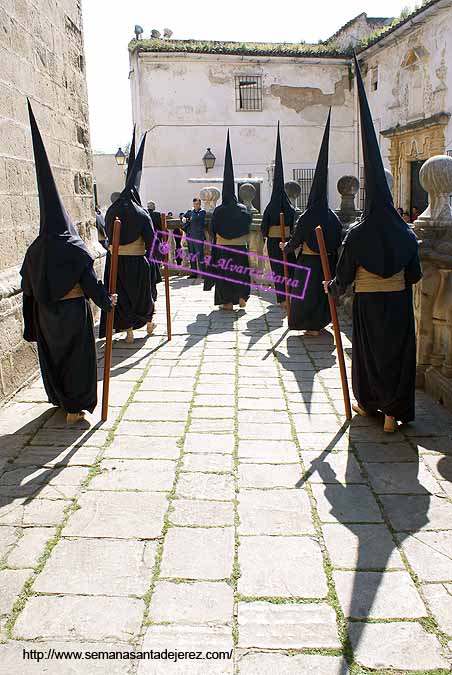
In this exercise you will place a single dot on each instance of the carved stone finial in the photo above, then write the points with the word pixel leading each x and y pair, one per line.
pixel 209 196
pixel 348 187
pixel 293 191
pixel 389 178
pixel 247 192
pixel 436 178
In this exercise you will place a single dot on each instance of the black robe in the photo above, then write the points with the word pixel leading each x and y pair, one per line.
pixel 384 342
pixel 136 284
pixel 277 268
pixel 64 332
pixel 227 290
pixel 312 313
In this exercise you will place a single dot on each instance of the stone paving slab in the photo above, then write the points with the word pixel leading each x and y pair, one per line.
pixel 11 657
pixel 269 664
pixel 30 546
pixel 377 595
pixel 188 638
pixel 277 511
pixel 196 603
pixel 293 567
pixel 135 474
pixel 74 568
pixel 125 515
pixel 396 645
pixel 287 626
pixel 79 618
pixel 202 513
pixel 364 546
pixel 198 553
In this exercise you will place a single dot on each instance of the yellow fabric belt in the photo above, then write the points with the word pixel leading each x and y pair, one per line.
pixel 238 241
pixel 275 231
pixel 137 247
pixel 308 251
pixel 366 282
pixel 76 292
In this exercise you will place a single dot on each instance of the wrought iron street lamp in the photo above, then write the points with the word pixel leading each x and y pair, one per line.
pixel 120 157
pixel 209 159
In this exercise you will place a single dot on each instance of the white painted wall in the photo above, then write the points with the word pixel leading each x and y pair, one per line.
pixel 188 102
pixel 108 176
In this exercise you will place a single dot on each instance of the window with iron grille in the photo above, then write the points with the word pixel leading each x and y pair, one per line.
pixel 304 178
pixel 362 189
pixel 248 92
pixel 374 79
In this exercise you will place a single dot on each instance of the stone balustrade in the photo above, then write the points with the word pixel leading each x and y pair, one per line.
pixel 433 294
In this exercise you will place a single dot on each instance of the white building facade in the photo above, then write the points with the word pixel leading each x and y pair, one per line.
pixel 187 98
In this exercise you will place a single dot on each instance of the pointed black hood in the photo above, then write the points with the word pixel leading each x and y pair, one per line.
pixel 228 192
pixel 317 211
pixel 279 201
pixel 131 154
pixel 56 260
pixel 382 242
pixel 230 219
pixel 134 218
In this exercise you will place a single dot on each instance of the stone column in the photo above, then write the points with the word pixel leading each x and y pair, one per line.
pixel 209 197
pixel 247 192
pixel 348 187
pixel 433 295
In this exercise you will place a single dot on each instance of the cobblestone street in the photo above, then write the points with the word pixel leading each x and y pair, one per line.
pixel 225 505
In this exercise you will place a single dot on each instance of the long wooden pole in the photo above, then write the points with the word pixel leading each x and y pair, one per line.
pixel 337 330
pixel 282 225
pixel 110 317
pixel 166 277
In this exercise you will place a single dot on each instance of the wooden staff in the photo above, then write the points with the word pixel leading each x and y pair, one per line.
pixel 286 272
pixel 110 316
pixel 337 330
pixel 166 277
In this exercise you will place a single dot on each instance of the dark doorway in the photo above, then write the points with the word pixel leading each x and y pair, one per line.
pixel 418 196
pixel 257 198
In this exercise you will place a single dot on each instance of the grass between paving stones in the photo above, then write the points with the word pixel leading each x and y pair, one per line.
pixel 167 525
pixel 236 573
pixel 331 598
pixel 73 506
pixel 428 622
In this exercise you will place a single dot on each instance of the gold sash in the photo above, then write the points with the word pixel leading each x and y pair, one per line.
pixel 76 292
pixel 366 282
pixel 238 241
pixel 308 251
pixel 275 231
pixel 135 248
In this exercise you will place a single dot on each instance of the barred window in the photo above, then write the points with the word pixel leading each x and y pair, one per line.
pixel 304 178
pixel 248 92
pixel 374 79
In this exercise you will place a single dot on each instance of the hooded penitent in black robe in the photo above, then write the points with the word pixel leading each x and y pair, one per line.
pixel 313 313
pixel 279 203
pixel 384 348
pixel 135 305
pixel 55 263
pixel 156 277
pixel 230 221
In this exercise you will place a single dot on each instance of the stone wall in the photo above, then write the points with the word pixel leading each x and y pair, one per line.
pixel 181 125
pixel 42 57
